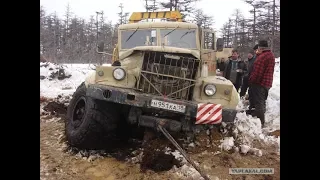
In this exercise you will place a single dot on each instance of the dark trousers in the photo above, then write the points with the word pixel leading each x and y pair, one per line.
pixel 251 103
pixel 259 95
pixel 245 86
pixel 237 86
pixel 238 83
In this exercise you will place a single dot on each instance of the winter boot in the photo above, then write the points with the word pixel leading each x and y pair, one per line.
pixel 250 111
pixel 260 115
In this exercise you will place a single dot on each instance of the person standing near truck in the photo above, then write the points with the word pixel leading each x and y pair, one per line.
pixel 234 70
pixel 261 79
pixel 245 82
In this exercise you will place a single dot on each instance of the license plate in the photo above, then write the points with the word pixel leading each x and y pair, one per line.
pixel 168 106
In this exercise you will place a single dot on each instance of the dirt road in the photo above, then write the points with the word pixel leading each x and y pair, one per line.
pixel 60 162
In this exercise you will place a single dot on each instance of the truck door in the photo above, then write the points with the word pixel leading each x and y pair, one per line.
pixel 208 48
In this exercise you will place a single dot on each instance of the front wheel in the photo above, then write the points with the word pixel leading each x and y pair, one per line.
pixel 90 123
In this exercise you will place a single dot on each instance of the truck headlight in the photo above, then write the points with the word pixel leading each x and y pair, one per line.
pixel 119 74
pixel 210 89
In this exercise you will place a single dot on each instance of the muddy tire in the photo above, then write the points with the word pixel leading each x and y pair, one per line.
pixel 90 123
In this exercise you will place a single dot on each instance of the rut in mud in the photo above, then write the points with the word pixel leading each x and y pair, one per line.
pixel 155 158
pixel 56 108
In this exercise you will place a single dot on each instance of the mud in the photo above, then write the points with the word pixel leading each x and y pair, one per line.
pixel 158 161
pixel 208 140
pixel 275 133
pixel 155 158
pixel 118 150
pixel 43 99
pixel 136 160
pixel 56 108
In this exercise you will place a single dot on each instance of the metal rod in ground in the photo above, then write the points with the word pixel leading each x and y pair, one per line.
pixel 166 133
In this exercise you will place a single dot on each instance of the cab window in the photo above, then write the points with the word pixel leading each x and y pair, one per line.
pixel 143 37
pixel 208 40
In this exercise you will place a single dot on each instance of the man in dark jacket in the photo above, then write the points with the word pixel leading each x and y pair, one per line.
pixel 245 82
pixel 261 79
pixel 222 64
pixel 234 70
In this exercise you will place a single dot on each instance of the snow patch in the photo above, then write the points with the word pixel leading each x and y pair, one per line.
pixel 227 143
pixel 90 155
pixel 52 87
pixel 244 149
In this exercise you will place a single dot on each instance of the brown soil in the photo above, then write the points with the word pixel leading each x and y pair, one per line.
pixel 275 133
pixel 44 99
pixel 59 162
pixel 155 158
pixel 207 142
pixel 158 161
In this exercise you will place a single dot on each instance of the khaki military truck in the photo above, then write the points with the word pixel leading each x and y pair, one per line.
pixel 162 73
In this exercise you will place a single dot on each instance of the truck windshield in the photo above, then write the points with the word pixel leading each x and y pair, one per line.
pixel 182 38
pixel 143 37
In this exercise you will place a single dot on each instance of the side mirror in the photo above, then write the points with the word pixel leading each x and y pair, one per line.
pixel 101 47
pixel 220 44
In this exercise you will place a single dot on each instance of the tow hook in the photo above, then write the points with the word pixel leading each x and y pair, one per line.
pixel 184 154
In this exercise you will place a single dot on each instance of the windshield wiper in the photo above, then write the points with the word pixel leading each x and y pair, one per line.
pixel 192 31
pixel 170 31
pixel 132 34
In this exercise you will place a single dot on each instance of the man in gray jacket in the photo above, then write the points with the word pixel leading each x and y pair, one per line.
pixel 234 70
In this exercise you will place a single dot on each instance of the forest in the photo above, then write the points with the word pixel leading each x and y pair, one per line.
pixel 70 39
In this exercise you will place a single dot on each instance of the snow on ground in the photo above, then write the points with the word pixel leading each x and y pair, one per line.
pixel 51 88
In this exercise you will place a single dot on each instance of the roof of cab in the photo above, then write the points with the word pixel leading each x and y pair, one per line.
pixel 145 25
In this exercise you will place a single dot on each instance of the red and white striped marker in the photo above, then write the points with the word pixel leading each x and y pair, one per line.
pixel 209 114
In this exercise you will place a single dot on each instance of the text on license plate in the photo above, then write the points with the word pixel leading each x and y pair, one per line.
pixel 168 106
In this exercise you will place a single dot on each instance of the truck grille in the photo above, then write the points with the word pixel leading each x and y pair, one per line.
pixel 168 75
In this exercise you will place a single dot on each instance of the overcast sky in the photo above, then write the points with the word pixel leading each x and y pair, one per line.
pixel 221 10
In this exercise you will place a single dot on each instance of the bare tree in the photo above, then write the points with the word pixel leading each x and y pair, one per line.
pixel 256 5
pixel 237 18
pixel 151 5
pixel 42 28
pixel 243 33
pixel 227 33
pixel 72 39
pixel 202 20
pixel 123 16
pixel 186 7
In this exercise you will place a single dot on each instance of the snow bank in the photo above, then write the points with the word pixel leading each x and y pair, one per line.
pixel 52 87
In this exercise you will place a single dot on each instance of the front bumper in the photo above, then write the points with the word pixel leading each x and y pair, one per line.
pixel 142 100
